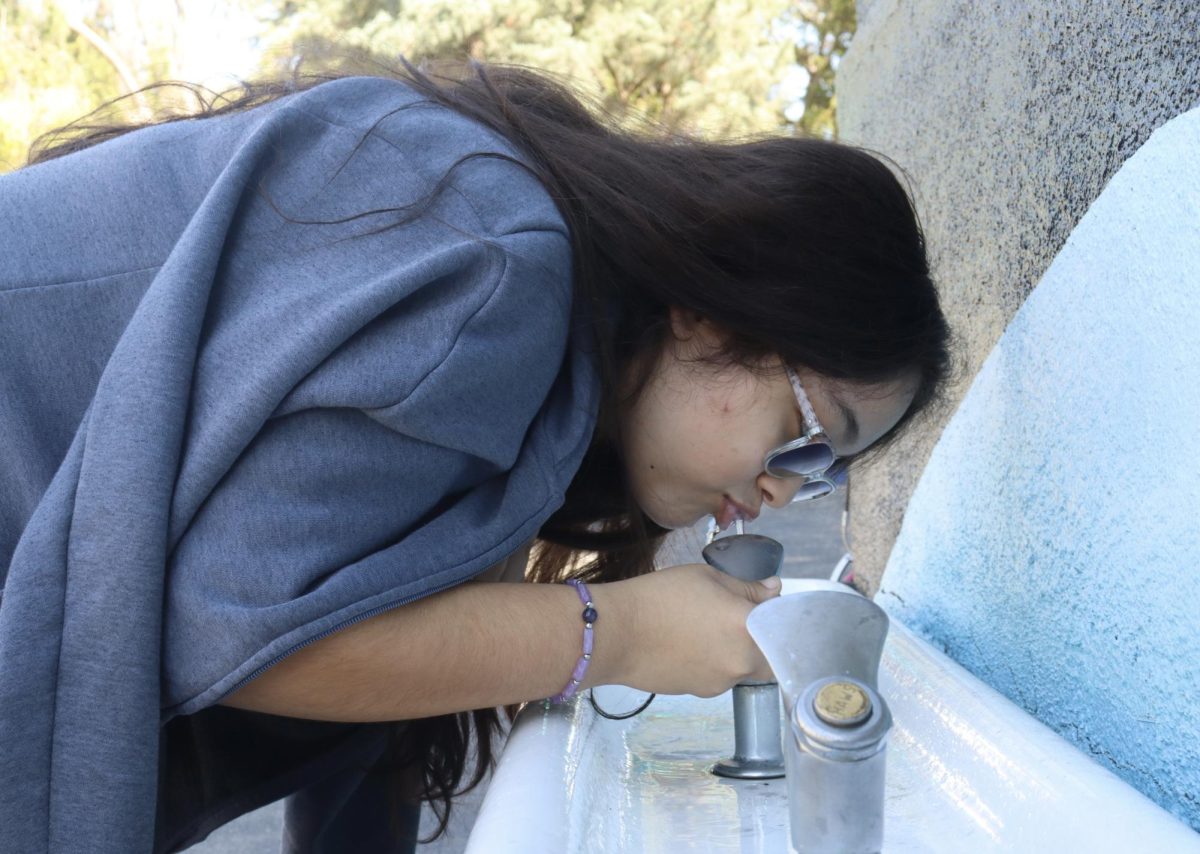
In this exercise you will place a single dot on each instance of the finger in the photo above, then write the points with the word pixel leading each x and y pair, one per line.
pixel 764 672
pixel 761 591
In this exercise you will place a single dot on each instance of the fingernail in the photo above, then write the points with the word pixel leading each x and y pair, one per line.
pixel 772 583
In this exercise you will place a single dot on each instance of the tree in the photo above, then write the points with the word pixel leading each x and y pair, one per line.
pixel 823 29
pixel 699 65
pixel 719 67
pixel 61 59
pixel 49 75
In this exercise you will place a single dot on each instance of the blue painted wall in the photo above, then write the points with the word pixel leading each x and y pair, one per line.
pixel 1052 545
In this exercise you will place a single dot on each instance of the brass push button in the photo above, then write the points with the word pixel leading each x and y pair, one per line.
pixel 842 704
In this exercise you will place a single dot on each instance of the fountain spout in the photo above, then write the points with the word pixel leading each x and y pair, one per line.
pixel 824 645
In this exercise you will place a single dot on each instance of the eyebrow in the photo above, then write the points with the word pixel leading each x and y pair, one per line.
pixel 851 421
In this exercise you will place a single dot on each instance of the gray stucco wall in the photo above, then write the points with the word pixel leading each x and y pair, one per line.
pixel 1010 118
pixel 1051 541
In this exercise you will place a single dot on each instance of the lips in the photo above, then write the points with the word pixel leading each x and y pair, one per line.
pixel 731 511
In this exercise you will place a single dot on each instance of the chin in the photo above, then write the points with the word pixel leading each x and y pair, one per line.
pixel 670 526
pixel 670 521
pixel 662 510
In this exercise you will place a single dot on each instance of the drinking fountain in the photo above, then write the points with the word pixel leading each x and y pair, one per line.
pixel 824 645
pixel 757 754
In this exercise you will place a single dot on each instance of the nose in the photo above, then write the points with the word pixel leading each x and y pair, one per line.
pixel 778 492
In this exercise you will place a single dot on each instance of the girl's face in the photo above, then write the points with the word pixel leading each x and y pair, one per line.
pixel 696 437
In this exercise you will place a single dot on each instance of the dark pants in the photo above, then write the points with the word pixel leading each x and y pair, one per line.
pixel 221 763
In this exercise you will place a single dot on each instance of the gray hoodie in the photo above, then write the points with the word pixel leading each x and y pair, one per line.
pixel 238 412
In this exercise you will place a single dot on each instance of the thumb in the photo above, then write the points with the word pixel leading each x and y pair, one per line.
pixel 767 588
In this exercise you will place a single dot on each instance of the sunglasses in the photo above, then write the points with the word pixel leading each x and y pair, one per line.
pixel 810 457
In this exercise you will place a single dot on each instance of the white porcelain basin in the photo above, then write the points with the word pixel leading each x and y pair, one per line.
pixel 968 771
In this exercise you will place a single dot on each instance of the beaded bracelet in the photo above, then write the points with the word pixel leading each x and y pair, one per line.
pixel 589 620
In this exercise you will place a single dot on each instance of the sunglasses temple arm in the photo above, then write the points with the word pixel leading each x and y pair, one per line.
pixel 810 416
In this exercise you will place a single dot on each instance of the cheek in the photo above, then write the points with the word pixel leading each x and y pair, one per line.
pixel 727 439
pixel 698 439
pixel 666 454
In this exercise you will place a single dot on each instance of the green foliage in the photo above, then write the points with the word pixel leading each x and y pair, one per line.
pixel 825 28
pixel 700 65
pixel 49 76
pixel 709 66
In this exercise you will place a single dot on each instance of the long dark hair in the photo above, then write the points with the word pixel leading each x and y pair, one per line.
pixel 803 249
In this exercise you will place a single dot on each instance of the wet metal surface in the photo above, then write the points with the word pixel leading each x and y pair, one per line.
pixel 966 771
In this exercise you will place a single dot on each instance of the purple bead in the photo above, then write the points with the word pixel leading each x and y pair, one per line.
pixel 589 615
pixel 580 668
pixel 588 640
pixel 581 589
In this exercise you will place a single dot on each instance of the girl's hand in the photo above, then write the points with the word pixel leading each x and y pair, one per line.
pixel 687 630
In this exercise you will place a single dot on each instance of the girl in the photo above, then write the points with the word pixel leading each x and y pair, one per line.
pixel 280 378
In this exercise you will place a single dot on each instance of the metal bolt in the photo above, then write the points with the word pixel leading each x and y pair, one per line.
pixel 842 704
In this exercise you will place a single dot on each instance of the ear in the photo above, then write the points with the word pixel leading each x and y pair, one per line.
pixel 685 322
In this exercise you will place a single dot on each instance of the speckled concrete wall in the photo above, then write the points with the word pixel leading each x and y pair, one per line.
pixel 1010 118
pixel 1052 541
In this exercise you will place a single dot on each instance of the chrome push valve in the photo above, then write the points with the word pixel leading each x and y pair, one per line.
pixel 758 751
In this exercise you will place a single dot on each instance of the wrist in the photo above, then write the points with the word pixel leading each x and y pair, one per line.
pixel 615 634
